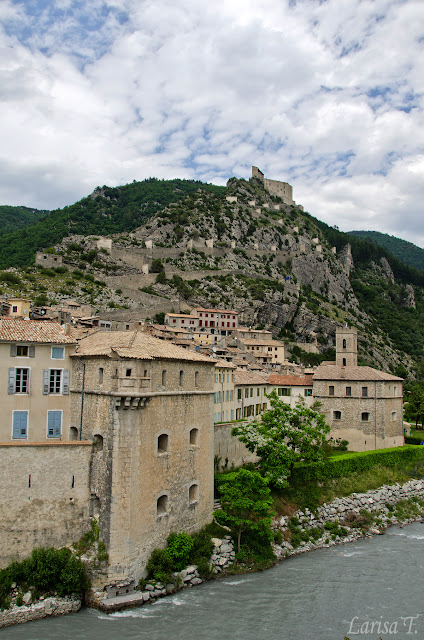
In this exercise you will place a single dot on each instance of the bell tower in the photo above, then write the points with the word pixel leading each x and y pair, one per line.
pixel 347 347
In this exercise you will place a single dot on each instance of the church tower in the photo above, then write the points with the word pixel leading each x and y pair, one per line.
pixel 347 347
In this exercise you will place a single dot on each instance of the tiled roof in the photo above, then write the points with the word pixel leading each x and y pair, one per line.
pixel 337 372
pixel 258 342
pixel 15 330
pixel 224 364
pixel 134 344
pixel 181 315
pixel 247 377
pixel 216 310
pixel 290 380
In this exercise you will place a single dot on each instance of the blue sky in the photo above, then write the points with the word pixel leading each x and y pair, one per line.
pixel 326 95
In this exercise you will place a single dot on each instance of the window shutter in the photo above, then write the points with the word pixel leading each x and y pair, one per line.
pixel 12 380
pixel 46 376
pixel 13 350
pixel 29 381
pixel 65 388
pixel 54 424
pixel 20 423
pixel 31 351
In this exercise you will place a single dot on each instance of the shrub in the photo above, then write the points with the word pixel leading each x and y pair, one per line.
pixel 178 549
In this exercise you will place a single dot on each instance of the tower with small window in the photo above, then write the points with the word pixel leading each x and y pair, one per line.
pixel 347 347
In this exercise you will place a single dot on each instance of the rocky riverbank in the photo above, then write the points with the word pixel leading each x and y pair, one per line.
pixel 343 520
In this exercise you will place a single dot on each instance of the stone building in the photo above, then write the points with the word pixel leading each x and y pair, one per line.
pixel 362 405
pixel 250 394
pixel 290 388
pixel 147 407
pixel 276 188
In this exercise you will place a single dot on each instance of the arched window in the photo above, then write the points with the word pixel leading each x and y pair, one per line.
pixel 162 505
pixel 181 378
pixel 163 443
pixel 193 493
pixel 194 436
pixel 163 377
pixel 73 433
pixel 97 442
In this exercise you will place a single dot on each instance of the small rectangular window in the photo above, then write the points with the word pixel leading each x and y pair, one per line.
pixel 331 390
pixel 22 350
pixel 58 353
pixel 348 391
pixel 365 392
pixel 308 392
pixel 337 415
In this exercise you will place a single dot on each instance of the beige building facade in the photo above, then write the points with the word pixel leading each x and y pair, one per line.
pixel 224 385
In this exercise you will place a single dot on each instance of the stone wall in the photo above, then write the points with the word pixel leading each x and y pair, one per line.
pixel 43 496
pixel 49 607
pixel 229 449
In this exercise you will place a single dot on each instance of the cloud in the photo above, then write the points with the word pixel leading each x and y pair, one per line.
pixel 327 96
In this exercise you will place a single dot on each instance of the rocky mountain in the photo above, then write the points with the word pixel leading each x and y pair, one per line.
pixel 241 248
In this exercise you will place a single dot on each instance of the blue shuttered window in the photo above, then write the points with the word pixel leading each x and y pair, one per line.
pixel 54 424
pixel 20 424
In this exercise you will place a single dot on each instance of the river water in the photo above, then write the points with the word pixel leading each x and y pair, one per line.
pixel 322 595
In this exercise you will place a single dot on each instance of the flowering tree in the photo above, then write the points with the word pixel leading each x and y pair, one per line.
pixel 284 436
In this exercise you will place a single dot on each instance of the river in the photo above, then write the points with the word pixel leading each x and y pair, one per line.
pixel 322 595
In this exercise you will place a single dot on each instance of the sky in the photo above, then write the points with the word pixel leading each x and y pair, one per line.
pixel 324 94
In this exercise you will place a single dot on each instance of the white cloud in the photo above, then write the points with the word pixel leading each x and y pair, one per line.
pixel 327 96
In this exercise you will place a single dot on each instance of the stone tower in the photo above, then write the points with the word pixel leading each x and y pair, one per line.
pixel 347 347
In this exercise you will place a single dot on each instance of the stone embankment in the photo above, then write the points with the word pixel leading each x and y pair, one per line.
pixel 223 555
pixel 350 518
pixel 41 609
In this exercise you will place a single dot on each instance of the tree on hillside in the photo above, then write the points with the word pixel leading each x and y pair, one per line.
pixel 284 436
pixel 245 504
pixel 414 407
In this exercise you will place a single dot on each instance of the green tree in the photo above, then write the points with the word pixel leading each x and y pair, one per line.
pixel 246 503
pixel 283 436
pixel 414 407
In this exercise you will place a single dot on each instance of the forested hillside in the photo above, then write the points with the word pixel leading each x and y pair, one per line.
pixel 107 210
pixel 405 251
pixel 12 218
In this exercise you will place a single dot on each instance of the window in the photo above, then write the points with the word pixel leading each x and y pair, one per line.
pixel 331 390
pixel 283 392
pixel 58 353
pixel 337 415
pixel 181 378
pixel 393 416
pixel 162 505
pixel 163 443
pixel 20 424
pixel 54 424
pixel 365 392
pixel 344 344
pixel 55 380
pixel 348 391
pixel 308 393
pixel 97 442
pixel 18 381
pixel 193 494
pixel 344 362
pixel 365 416
pixel 73 434
pixel 22 350
pixel 251 392
pixel 246 393
pixel 14 309
pixel 194 437
pixel 164 377
pixel 196 378
pixel 128 373
pixel 101 375
pixel 238 394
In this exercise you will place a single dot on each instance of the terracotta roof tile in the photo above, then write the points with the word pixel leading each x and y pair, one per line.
pixel 258 342
pixel 337 372
pixel 290 380
pixel 15 330
pixel 247 377
pixel 134 344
